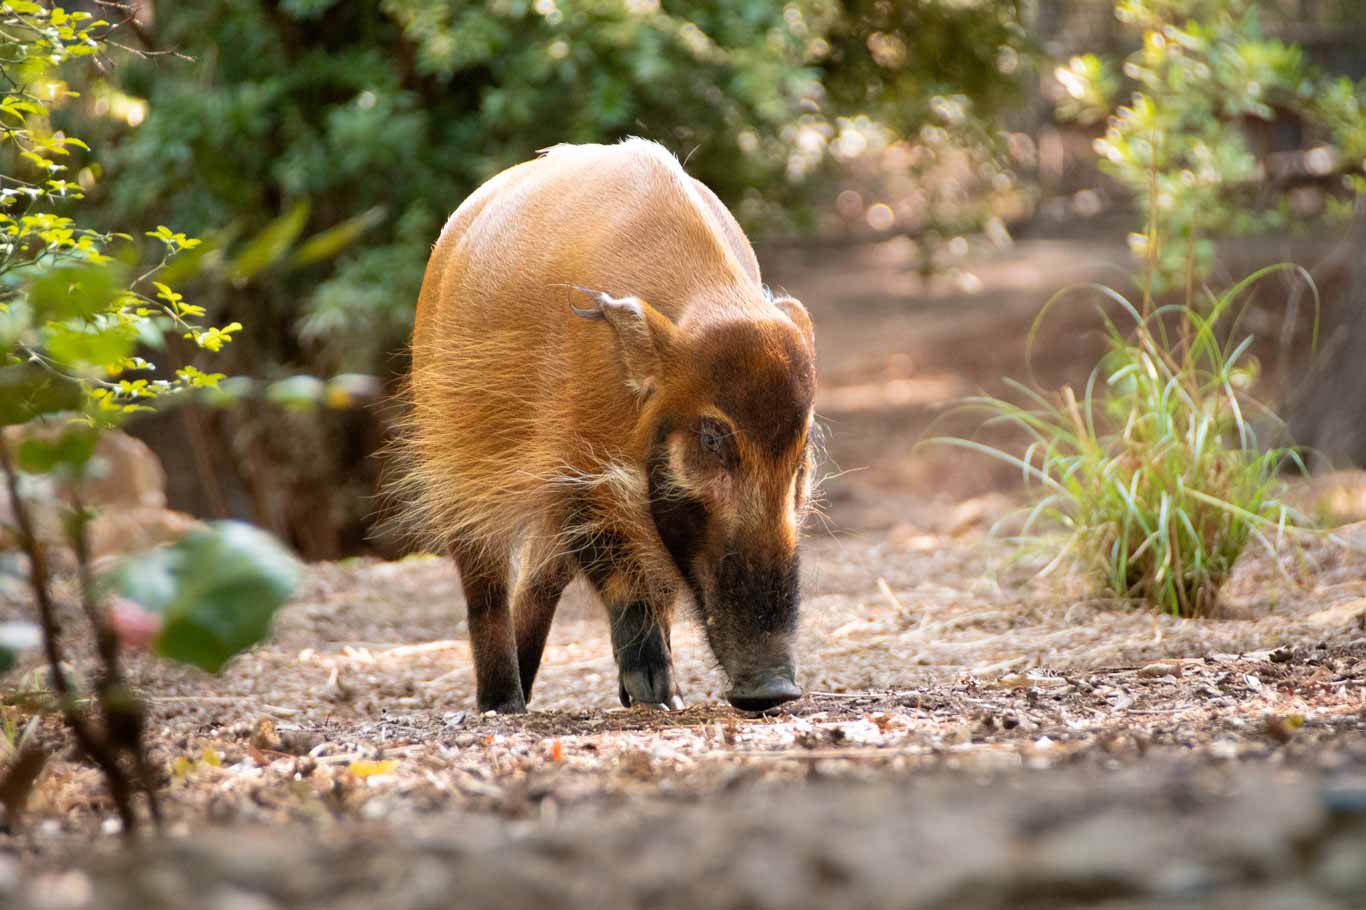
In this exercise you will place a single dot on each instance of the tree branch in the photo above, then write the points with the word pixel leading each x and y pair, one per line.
pixel 123 711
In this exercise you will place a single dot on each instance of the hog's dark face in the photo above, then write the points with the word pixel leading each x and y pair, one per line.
pixel 729 483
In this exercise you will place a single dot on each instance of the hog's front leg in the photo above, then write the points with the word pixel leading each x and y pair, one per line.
pixel 640 642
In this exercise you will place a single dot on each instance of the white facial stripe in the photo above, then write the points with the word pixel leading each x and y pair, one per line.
pixel 678 459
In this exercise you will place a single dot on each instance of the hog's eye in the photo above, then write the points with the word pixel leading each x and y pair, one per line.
pixel 716 439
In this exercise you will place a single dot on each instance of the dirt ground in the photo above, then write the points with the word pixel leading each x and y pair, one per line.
pixel 972 736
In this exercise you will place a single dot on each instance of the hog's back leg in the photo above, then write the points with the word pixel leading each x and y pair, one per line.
pixel 492 639
pixel 533 609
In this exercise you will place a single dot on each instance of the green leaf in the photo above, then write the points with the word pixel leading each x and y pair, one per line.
pixel 88 345
pixel 15 320
pixel 72 449
pixel 273 242
pixel 327 244
pixel 217 591
pixel 28 391
pixel 189 263
pixel 152 332
pixel 76 290
pixel 297 392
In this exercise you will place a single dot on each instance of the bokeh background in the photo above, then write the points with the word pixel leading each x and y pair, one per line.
pixel 923 173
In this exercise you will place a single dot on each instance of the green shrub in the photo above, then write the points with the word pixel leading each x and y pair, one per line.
pixel 406 106
pixel 1179 131
pixel 1154 478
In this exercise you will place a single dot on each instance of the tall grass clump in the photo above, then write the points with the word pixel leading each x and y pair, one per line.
pixel 1154 477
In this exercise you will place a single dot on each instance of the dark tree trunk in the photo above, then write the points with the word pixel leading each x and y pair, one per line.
pixel 1329 416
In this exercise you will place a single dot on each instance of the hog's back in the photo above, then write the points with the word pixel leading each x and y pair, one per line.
pixel 510 391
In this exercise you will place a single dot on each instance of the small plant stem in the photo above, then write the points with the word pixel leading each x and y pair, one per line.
pixel 1178 575
pixel 1151 263
pixel 106 640
pixel 1069 399
pixel 1190 286
pixel 86 738
pixel 123 711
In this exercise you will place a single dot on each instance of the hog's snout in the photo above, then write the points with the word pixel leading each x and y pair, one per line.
pixel 762 693
pixel 751 621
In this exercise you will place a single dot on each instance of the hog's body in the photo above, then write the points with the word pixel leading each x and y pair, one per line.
pixel 565 439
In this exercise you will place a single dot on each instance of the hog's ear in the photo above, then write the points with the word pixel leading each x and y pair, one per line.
pixel 644 336
pixel 793 309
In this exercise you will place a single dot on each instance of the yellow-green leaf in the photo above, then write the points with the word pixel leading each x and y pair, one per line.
pixel 273 242
pixel 327 244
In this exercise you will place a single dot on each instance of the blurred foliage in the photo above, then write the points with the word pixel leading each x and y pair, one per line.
pixel 1153 477
pixel 1207 89
pixel 72 314
pixel 213 593
pixel 1091 89
pixel 76 317
pixel 392 111
pixel 897 62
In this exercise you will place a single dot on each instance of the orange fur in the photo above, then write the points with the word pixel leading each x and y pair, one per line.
pixel 514 399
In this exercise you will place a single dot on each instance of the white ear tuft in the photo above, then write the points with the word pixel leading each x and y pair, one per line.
pixel 793 310
pixel 643 333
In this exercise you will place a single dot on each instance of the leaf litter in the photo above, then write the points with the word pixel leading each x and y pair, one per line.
pixel 356 719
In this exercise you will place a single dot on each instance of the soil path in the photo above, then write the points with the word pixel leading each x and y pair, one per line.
pixel 967 742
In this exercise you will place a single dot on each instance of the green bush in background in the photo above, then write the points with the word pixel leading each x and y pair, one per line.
pixel 1154 478
pixel 402 107
pixel 1206 88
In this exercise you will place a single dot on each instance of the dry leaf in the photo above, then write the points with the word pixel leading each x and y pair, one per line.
pixel 19 779
pixel 883 721
pixel 265 737
pixel 181 767
pixel 365 768
pixel 1282 729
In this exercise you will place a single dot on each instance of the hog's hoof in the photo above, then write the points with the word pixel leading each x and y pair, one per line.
pixel 507 706
pixel 648 687
pixel 765 694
